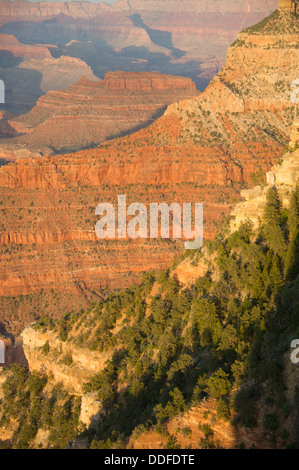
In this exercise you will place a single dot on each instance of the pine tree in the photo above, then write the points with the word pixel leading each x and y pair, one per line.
pixel 275 277
pixel 293 220
pixel 273 222
pixel 292 262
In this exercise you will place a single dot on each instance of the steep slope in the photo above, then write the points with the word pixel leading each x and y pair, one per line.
pixel 89 113
pixel 202 150
pixel 284 176
pixel 201 364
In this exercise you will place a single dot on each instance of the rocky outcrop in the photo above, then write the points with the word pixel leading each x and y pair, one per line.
pixel 193 420
pixel 59 73
pixel 283 176
pixel 84 363
pixel 30 79
pixel 91 409
pixel 146 82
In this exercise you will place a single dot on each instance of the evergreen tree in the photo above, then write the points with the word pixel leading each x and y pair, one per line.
pixel 273 222
pixel 293 220
pixel 292 262
pixel 275 277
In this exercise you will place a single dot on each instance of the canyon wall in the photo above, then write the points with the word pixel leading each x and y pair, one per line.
pixel 84 364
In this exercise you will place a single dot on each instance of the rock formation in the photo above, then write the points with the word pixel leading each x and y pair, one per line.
pixel 31 78
pixel 73 375
pixel 283 176
pixel 10 44
pixel 90 112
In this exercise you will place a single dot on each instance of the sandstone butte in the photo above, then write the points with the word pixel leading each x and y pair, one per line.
pixel 88 112
pixel 203 149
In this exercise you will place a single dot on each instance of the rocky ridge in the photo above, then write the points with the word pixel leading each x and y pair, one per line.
pixel 34 76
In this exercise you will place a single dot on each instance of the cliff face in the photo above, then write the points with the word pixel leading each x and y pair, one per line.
pixel 10 44
pixel 84 362
pixel 146 82
pixel 284 176
pixel 90 112
pixel 82 345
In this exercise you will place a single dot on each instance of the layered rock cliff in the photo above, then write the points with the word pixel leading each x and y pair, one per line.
pixel 91 112
pixel 283 176
pixel 69 365
pixel 98 348
pixel 11 45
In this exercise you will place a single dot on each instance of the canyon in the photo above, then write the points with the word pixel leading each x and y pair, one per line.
pixel 46 47
pixel 74 361
pixel 204 149
pixel 181 38
pixel 214 327
pixel 28 78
